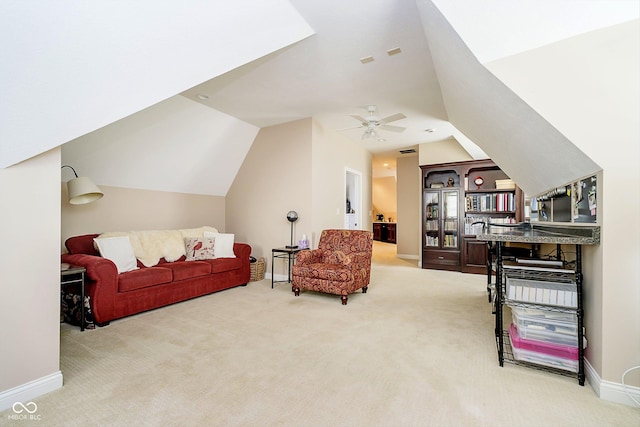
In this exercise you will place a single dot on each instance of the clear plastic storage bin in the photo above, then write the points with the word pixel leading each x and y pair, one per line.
pixel 547 326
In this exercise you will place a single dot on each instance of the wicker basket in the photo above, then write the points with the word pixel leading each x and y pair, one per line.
pixel 257 269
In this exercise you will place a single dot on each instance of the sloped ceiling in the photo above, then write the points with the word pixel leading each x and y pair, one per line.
pixel 176 146
pixel 77 67
pixel 510 131
pixel 494 29
pixel 70 68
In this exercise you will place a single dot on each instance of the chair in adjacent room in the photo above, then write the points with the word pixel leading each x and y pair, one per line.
pixel 341 265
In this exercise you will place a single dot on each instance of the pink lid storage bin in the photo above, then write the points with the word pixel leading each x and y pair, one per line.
pixel 543 353
pixel 558 350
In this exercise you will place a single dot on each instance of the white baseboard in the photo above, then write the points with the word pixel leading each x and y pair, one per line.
pixel 610 391
pixel 407 256
pixel 27 392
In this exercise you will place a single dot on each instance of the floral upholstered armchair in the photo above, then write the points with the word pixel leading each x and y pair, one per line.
pixel 341 265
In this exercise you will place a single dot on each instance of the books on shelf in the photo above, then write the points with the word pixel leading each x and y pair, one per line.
pixel 450 240
pixel 431 240
pixel 493 202
pixel 431 225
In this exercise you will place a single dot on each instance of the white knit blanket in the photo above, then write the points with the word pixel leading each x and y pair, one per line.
pixel 151 245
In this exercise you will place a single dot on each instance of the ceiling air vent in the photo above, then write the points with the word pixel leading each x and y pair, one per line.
pixel 408 151
pixel 394 51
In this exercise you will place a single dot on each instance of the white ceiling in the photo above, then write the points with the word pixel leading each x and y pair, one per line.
pixel 322 76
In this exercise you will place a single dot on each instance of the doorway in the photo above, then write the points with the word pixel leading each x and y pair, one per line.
pixel 353 198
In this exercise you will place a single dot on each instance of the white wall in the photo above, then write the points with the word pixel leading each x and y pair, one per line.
pixel 268 185
pixel 125 209
pixel 442 152
pixel 588 87
pixel 331 154
pixel 30 279
pixel 409 228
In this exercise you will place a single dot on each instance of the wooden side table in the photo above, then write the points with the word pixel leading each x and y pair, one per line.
pixel 73 275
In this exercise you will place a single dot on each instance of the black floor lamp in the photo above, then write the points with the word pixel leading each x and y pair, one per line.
pixel 292 216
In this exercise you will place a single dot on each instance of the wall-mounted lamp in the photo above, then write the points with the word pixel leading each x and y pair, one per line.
pixel 81 189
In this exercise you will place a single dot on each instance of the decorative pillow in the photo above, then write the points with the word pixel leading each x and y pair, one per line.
pixel 223 244
pixel 118 250
pixel 199 249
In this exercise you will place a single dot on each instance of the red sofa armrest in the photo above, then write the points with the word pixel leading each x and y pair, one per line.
pixel 101 283
pixel 243 252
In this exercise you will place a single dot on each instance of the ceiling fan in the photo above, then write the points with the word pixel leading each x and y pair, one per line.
pixel 372 123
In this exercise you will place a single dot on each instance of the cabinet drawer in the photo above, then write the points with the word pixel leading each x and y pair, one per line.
pixel 442 257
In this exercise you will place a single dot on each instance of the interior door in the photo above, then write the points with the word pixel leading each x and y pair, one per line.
pixel 353 200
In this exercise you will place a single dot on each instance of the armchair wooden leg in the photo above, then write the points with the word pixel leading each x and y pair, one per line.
pixel 344 299
pixel 364 290
pixel 296 292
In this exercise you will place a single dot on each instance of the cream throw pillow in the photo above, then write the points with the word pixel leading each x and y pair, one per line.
pixel 223 244
pixel 118 250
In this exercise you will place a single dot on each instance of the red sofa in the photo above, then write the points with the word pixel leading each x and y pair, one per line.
pixel 113 296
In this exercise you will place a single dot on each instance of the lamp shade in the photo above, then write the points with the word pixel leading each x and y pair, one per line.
pixel 82 190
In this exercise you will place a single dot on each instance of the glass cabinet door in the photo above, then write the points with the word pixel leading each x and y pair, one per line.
pixel 450 226
pixel 432 218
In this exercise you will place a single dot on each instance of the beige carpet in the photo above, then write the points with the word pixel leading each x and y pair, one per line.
pixel 416 350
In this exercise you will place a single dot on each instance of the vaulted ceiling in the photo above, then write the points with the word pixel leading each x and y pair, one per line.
pixel 252 64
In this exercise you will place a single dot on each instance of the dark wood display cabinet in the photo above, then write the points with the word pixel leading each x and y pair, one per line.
pixel 464 195
pixel 441 219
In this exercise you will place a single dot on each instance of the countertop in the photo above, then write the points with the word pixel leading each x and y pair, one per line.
pixel 383 222
pixel 542 233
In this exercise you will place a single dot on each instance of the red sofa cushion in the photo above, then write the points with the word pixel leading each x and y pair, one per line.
pixel 144 278
pixel 188 269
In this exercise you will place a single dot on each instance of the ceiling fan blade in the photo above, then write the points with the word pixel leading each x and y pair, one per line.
pixel 393 118
pixel 392 128
pixel 351 128
pixel 360 119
